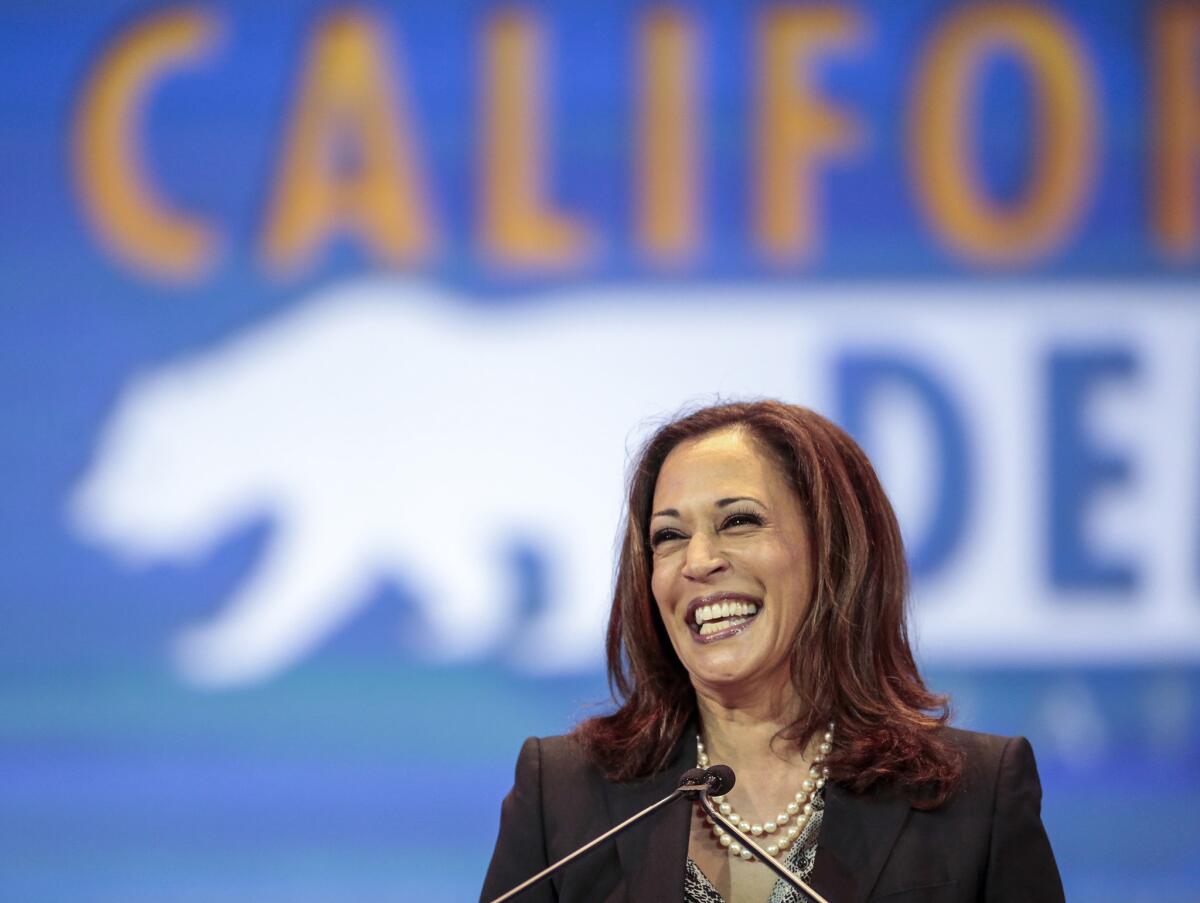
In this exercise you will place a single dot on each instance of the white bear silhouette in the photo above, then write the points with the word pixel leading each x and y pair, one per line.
pixel 392 429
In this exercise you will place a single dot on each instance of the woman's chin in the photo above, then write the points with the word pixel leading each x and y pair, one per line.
pixel 717 668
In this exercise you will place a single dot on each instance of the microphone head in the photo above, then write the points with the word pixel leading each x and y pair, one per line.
pixel 694 777
pixel 720 779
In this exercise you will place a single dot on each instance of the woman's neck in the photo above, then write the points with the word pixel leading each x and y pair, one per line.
pixel 743 731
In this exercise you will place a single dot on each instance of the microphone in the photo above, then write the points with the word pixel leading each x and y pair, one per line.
pixel 691 782
pixel 719 780
pixel 693 779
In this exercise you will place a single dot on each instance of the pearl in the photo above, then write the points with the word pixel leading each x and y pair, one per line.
pixel 800 809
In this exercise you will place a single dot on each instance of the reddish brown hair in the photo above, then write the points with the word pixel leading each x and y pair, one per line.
pixel 851 661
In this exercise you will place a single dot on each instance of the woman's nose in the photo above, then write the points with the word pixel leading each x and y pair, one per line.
pixel 703 558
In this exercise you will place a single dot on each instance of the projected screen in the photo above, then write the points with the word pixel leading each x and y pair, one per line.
pixel 329 332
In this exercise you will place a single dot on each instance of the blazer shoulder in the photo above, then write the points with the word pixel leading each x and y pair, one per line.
pixel 561 747
pixel 980 748
pixel 1000 777
pixel 990 760
pixel 564 769
pixel 976 743
pixel 562 755
pixel 555 805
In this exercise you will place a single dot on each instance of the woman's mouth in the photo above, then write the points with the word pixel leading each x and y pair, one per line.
pixel 717 617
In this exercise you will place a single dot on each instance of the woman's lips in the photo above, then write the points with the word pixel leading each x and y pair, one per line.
pixel 718 616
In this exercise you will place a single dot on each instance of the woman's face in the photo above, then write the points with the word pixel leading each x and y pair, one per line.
pixel 730 562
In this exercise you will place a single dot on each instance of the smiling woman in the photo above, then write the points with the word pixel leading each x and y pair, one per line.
pixel 731 567
pixel 759 621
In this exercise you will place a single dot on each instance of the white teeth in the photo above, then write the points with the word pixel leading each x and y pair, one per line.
pixel 740 615
pixel 722 610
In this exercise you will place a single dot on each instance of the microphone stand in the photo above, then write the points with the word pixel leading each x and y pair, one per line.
pixel 691 782
pixel 747 841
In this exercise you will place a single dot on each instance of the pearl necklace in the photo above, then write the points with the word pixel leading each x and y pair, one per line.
pixel 797 812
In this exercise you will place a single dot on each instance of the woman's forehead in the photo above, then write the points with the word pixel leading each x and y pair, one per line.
pixel 717 464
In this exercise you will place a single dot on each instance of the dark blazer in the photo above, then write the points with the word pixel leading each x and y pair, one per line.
pixel 986 843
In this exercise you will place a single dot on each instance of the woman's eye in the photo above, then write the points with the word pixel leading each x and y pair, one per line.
pixel 741 520
pixel 658 537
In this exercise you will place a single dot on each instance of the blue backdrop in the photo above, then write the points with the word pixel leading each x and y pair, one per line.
pixel 316 317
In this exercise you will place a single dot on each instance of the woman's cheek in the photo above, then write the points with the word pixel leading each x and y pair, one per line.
pixel 656 590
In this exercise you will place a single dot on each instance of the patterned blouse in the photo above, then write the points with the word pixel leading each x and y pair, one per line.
pixel 800 858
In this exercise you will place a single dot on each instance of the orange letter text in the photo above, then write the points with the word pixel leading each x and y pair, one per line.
pixel 941 145
pixel 796 131
pixel 349 161
pixel 519 227
pixel 1176 127
pixel 668 137
pixel 120 201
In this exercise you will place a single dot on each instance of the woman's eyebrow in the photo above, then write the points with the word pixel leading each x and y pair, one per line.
pixel 721 503
pixel 725 503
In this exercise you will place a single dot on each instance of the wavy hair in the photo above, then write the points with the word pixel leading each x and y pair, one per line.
pixel 851 661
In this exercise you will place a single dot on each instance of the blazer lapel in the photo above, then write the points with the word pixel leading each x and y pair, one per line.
pixel 858 832
pixel 653 852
